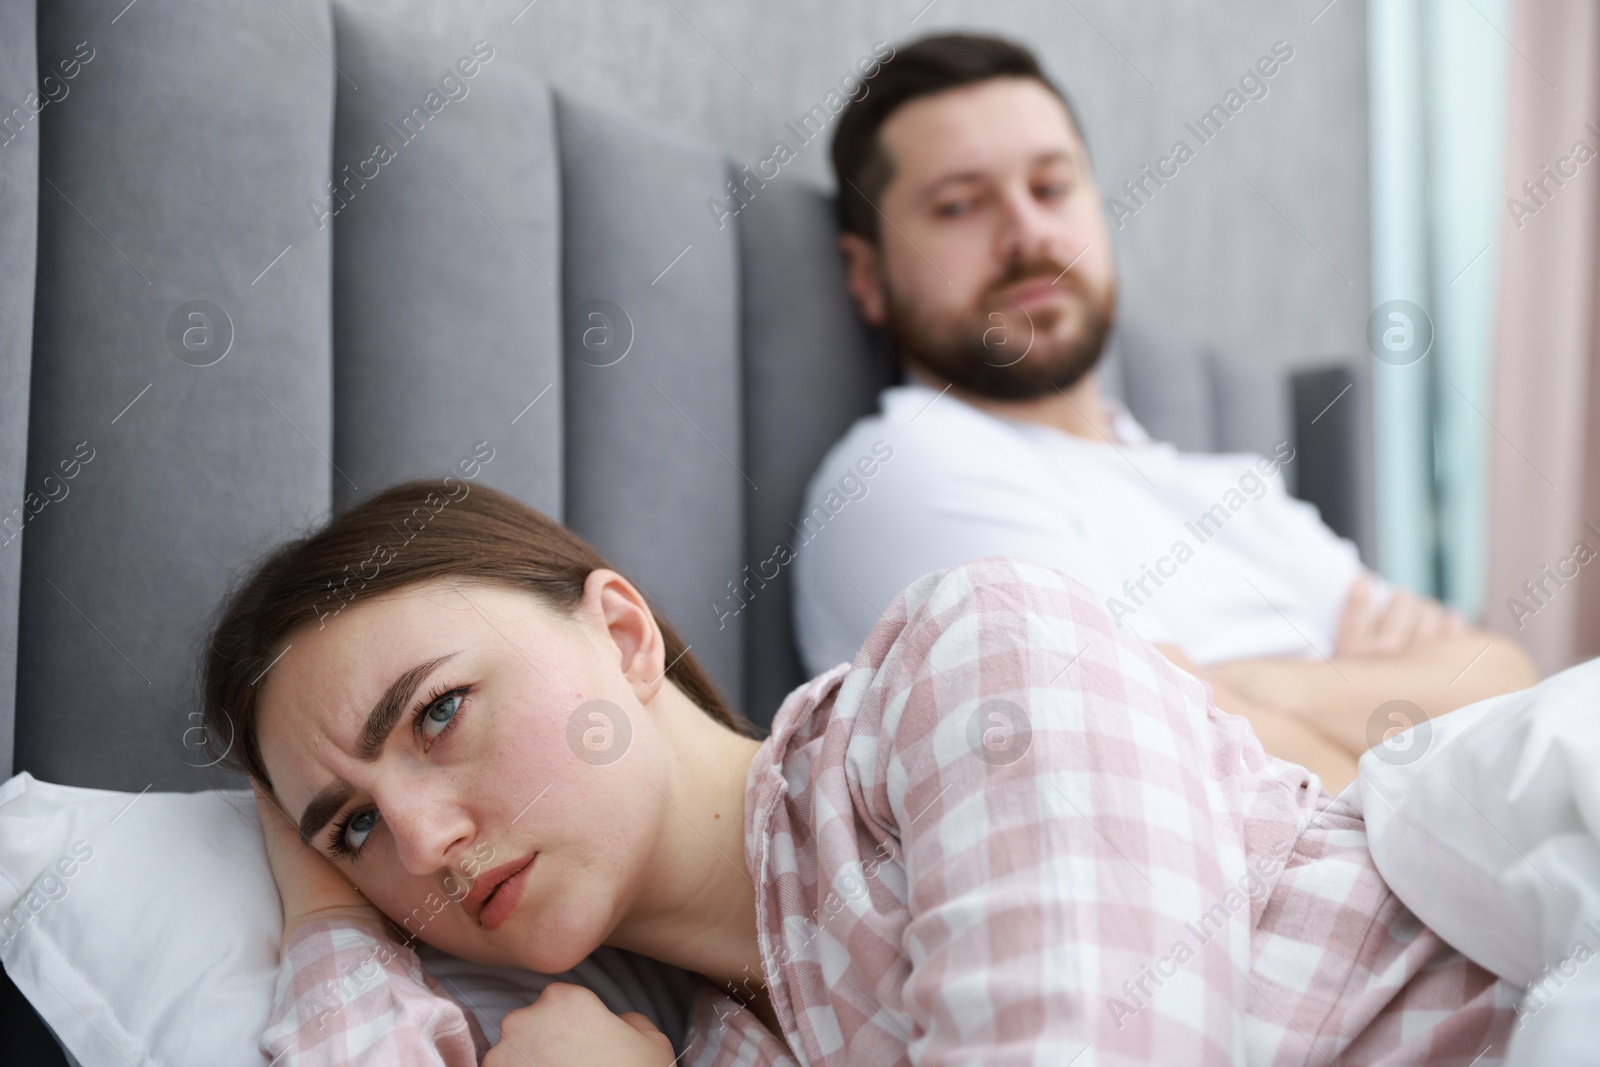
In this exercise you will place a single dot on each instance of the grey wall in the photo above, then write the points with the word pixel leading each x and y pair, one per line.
pixel 1278 272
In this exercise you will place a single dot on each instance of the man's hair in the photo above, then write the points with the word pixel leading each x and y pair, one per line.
pixel 931 65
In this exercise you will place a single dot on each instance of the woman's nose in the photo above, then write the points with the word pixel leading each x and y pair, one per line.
pixel 428 829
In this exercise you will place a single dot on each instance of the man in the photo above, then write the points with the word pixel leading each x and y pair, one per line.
pixel 973 232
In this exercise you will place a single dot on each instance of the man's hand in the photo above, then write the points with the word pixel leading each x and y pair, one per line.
pixel 1407 619
pixel 1280 733
pixel 568 1026
pixel 1417 651
pixel 310 886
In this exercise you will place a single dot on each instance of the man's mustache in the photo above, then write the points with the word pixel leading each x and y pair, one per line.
pixel 1039 269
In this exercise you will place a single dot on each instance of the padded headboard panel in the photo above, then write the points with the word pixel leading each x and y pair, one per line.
pixel 193 467
pixel 446 266
pixel 811 369
pixel 655 440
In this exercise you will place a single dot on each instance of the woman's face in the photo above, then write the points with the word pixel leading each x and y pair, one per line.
pixel 490 760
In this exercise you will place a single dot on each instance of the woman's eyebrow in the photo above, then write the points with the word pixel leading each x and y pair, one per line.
pixel 380 723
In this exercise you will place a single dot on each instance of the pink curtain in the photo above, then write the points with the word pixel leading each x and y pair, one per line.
pixel 1544 488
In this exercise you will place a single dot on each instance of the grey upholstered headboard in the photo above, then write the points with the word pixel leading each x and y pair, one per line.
pixel 440 300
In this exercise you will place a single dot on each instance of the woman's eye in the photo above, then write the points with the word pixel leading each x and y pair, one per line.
pixel 954 208
pixel 357 829
pixel 440 715
pixel 1054 191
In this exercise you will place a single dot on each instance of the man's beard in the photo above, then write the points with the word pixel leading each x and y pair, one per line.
pixel 1001 351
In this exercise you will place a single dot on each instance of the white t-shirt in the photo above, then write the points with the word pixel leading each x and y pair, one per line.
pixel 1206 551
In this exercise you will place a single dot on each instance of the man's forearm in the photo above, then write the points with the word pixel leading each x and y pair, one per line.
pixel 1338 697
pixel 1280 733
pixel 1287 737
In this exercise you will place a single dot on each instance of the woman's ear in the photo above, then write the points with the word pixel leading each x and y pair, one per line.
pixel 613 602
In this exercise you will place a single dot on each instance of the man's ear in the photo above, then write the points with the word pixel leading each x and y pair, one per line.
pixel 864 277
pixel 620 609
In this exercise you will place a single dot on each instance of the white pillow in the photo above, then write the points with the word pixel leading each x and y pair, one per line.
pixel 144 928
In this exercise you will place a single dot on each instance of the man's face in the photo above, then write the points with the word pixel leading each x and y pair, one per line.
pixel 993 266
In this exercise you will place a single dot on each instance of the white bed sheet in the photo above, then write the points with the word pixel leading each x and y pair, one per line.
pixel 1486 823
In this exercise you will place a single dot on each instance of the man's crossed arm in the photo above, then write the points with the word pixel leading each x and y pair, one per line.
pixel 1317 712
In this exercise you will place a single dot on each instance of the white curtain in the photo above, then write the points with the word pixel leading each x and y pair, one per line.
pixel 1437 105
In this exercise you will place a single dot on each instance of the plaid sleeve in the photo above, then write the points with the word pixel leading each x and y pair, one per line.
pixel 1060 793
pixel 346 995
pixel 724 1033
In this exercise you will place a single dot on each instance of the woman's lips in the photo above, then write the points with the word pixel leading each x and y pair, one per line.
pixel 503 898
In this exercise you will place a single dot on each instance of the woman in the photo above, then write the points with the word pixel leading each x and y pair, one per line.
pixel 1009 832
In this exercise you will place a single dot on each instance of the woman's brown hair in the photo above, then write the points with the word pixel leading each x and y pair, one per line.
pixel 413 532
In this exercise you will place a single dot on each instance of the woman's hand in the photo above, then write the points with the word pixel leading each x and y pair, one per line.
pixel 568 1026
pixel 310 886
